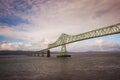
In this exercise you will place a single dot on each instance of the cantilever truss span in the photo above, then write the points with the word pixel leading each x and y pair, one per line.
pixel 66 39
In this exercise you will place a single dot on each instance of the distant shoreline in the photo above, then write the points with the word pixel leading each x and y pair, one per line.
pixel 31 52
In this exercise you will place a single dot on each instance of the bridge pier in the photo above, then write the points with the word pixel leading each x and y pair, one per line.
pixel 48 53
pixel 38 54
pixel 64 52
pixel 42 54
pixel 35 54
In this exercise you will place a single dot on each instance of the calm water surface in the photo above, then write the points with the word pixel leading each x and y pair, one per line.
pixel 78 67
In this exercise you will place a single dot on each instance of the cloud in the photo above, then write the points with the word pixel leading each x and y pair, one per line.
pixel 11 32
pixel 103 45
pixel 10 46
pixel 110 7
pixel 21 46
pixel 14 7
pixel 47 19
pixel 95 45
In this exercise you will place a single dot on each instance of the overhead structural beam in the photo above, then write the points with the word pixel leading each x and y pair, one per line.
pixel 66 39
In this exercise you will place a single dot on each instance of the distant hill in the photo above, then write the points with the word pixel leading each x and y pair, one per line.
pixel 16 52
pixel 7 52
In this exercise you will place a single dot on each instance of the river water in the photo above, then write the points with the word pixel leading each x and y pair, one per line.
pixel 77 67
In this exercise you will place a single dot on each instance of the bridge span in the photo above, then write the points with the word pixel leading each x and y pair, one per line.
pixel 67 39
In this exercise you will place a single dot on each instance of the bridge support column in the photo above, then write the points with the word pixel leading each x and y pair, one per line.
pixel 42 54
pixel 63 52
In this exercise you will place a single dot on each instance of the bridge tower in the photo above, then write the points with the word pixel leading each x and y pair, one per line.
pixel 62 40
pixel 63 50
pixel 67 39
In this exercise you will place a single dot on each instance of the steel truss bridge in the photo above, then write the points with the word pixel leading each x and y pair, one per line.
pixel 67 39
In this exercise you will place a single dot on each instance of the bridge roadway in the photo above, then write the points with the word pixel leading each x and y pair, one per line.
pixel 67 39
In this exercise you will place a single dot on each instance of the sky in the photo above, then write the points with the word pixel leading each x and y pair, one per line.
pixel 33 24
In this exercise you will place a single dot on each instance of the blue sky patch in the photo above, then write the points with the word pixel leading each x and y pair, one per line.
pixel 9 39
pixel 111 38
pixel 12 20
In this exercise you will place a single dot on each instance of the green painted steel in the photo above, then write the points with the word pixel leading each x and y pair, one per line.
pixel 67 39
pixel 63 50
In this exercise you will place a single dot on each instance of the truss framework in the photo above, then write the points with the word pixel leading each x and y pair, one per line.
pixel 66 39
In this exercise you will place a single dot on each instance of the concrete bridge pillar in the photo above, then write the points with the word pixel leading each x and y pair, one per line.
pixel 48 53
pixel 42 54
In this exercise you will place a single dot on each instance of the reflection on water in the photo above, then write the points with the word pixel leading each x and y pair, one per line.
pixel 78 67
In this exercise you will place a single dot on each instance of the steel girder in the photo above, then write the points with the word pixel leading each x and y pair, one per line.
pixel 66 39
